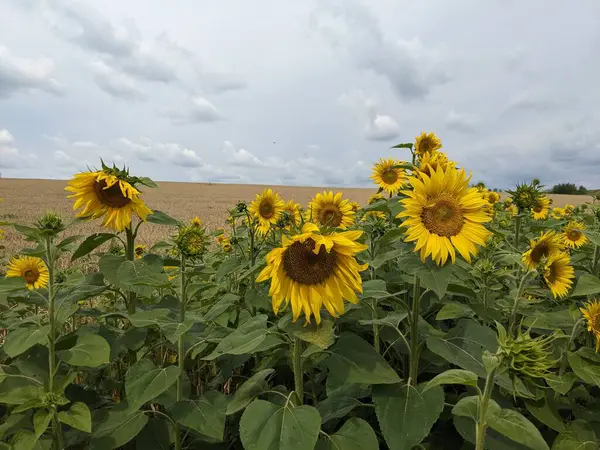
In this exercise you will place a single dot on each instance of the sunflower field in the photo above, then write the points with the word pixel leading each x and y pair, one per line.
pixel 440 315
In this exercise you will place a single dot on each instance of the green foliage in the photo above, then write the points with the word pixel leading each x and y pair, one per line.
pixel 568 188
pixel 181 348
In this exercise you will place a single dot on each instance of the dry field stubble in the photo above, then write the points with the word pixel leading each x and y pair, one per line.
pixel 26 199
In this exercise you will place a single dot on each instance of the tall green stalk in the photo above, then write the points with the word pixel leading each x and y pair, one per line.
pixel 180 349
pixel 414 332
pixel 58 437
pixel 513 315
pixel 297 367
pixel 517 230
pixel 484 401
pixel 130 250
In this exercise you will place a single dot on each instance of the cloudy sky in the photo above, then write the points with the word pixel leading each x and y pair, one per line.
pixel 310 92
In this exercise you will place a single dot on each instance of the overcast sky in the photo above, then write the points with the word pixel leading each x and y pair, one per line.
pixel 308 92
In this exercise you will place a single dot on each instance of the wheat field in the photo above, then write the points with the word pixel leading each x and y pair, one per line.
pixel 26 199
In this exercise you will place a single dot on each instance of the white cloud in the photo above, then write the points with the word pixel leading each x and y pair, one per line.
pixel 382 128
pixel 117 84
pixel 22 74
pixel 10 156
pixel 196 110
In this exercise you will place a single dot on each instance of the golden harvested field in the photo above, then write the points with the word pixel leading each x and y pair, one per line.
pixel 26 199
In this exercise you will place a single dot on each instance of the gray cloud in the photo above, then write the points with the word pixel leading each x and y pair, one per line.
pixel 195 110
pixel 22 74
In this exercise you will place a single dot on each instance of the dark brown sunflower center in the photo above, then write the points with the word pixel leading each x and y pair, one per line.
pixel 444 218
pixel 31 276
pixel 425 145
pixel 266 209
pixel 537 209
pixel 552 273
pixel 330 215
pixel 139 251
pixel 539 251
pixel 112 197
pixel 389 176
pixel 574 235
pixel 302 265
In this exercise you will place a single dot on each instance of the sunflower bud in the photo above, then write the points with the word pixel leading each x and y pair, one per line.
pixel 241 206
pixel 50 224
pixel 527 356
pixel 525 196
pixel 190 241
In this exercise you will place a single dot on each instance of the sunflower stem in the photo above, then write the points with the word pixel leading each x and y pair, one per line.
pixel 517 230
pixel 513 314
pixel 483 406
pixel 180 349
pixel 414 333
pixel 58 437
pixel 297 367
pixel 130 257
pixel 376 342
pixel 595 259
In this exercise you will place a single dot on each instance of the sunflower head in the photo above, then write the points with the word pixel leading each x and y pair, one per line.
pixel 387 175
pixel 540 208
pixel 32 269
pixel 196 222
pixel 266 209
pixel 527 356
pixel 109 194
pixel 355 206
pixel 190 241
pixel 512 210
pixel 591 314
pixel 430 161
pixel 311 270
pixel 50 224
pixel 443 215
pixel 330 210
pixel 559 274
pixel 294 216
pixel 493 197
pixel 558 213
pixel 569 209
pixel 573 234
pixel 427 143
pixel 542 248
pixel 241 206
pixel 139 251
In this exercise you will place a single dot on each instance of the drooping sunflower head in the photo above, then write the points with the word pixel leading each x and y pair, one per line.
pixel 190 241
pixel 542 248
pixel 427 143
pixel 387 176
pixel 443 215
pixel 109 193
pixel 311 270
pixel 330 210
pixel 540 208
pixel 591 313
pixel 430 161
pixel 293 213
pixel 266 208
pixel 559 274
pixel 139 251
pixel 525 355
pixel 573 234
pixel 31 268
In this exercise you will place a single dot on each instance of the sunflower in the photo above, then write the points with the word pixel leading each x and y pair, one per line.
pixel 573 234
pixel 569 209
pixel 388 177
pixel 30 268
pixel 375 198
pixel 513 210
pixel 540 208
pixel 493 197
pixel 196 222
pixel 139 251
pixel 591 313
pixel 558 213
pixel 104 194
pixel 293 210
pixel 331 210
pixel 559 274
pixel 546 245
pixel 430 161
pixel 355 206
pixel 267 209
pixel 444 214
pixel 427 142
pixel 311 270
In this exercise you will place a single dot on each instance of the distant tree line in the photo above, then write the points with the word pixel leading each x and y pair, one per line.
pixel 568 188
